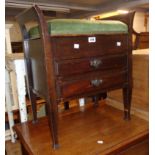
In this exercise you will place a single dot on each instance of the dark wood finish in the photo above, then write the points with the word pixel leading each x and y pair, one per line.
pixel 24 151
pixel 104 45
pixel 17 47
pixel 47 69
pixel 80 86
pixel 81 66
pixel 142 40
pixel 52 63
pixel 96 98
pixel 80 131
pixel 66 105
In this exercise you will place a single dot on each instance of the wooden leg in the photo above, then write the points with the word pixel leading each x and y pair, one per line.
pixel 103 95
pixel 34 105
pixel 53 119
pixel 95 100
pixel 98 97
pixel 66 105
pixel 23 149
pixel 127 92
pixel 46 109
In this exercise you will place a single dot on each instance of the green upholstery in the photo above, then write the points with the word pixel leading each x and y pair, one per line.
pixel 58 27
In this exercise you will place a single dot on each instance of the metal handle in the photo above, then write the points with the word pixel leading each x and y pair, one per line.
pixel 96 82
pixel 95 63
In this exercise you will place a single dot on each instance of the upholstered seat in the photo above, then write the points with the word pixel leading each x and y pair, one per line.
pixel 58 27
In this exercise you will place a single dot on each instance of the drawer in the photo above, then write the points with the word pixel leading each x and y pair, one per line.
pixel 92 83
pixel 88 46
pixel 80 66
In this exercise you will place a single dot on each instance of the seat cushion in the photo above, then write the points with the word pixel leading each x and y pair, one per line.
pixel 57 27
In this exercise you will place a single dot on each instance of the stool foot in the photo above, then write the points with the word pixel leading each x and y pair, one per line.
pixel 56 146
pixel 127 115
pixel 34 121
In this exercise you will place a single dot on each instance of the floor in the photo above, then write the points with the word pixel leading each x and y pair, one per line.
pixel 13 148
pixel 83 131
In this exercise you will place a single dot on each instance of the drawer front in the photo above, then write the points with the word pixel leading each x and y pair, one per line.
pixel 77 47
pixel 91 84
pixel 80 66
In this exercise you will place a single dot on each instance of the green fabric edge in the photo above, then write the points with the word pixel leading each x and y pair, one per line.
pixel 78 26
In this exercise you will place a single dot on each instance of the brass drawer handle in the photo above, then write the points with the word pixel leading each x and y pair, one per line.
pixel 95 63
pixel 96 82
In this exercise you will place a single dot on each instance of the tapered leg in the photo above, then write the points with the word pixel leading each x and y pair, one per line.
pixel 66 105
pixel 32 97
pixel 46 109
pixel 98 97
pixel 95 100
pixel 103 95
pixel 29 83
pixel 127 93
pixel 53 121
pixel 23 149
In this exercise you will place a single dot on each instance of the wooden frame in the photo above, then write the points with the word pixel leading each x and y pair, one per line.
pixel 35 14
pixel 141 40
pixel 41 78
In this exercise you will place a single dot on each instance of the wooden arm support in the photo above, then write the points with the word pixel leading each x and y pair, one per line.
pixel 49 93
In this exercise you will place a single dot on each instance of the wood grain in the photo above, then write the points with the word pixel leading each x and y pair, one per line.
pixel 80 130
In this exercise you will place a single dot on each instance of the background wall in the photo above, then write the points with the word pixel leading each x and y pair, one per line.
pixel 15 33
pixel 141 22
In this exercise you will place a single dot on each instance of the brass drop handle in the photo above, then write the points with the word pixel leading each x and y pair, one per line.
pixel 95 63
pixel 96 82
